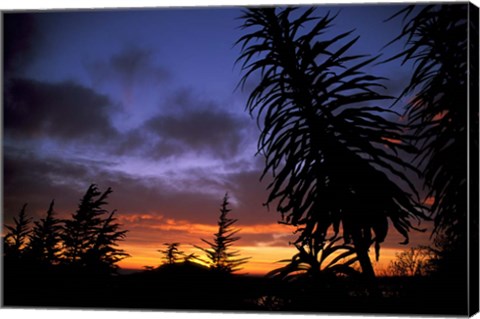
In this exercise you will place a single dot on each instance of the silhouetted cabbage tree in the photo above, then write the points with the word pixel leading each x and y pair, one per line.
pixel 316 276
pixel 331 261
pixel 436 40
pixel 442 43
pixel 219 256
pixel 324 132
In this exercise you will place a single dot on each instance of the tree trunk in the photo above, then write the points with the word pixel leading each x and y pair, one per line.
pixel 361 247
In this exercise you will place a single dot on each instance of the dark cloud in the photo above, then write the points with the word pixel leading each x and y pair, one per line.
pixel 188 125
pixel 132 68
pixel 132 142
pixel 141 142
pixel 251 194
pixel 136 63
pixel 194 195
pixel 201 131
pixel 34 179
pixel 197 125
pixel 21 43
pixel 65 111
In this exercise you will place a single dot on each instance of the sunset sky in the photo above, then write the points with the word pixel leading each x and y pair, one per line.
pixel 144 101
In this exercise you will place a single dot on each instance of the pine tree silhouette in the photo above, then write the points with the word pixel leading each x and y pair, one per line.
pixel 16 264
pixel 45 240
pixel 89 239
pixel 16 238
pixel 171 254
pixel 220 257
pixel 104 254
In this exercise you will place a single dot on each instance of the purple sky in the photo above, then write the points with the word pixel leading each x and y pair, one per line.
pixel 144 101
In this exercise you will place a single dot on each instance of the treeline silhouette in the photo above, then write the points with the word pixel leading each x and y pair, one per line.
pixel 62 262
pixel 73 263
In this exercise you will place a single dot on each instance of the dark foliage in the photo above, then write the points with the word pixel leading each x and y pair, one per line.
pixel 436 38
pixel 326 274
pixel 415 261
pixel 331 261
pixel 89 238
pixel 328 146
pixel 220 256
pixel 16 238
pixel 325 283
pixel 104 254
pixel 171 254
pixel 62 263
pixel 45 240
pixel 439 40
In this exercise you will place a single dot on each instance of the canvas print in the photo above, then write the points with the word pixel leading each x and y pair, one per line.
pixel 275 159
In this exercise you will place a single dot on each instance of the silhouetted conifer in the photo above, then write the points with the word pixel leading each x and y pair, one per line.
pixel 16 238
pixel 17 268
pixel 45 240
pixel 219 256
pixel 171 254
pixel 104 254
pixel 89 239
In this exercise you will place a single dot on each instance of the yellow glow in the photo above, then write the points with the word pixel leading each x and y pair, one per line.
pixel 262 261
pixel 266 244
pixel 208 230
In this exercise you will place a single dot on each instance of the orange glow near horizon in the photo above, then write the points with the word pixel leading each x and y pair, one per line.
pixel 265 244
pixel 262 259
